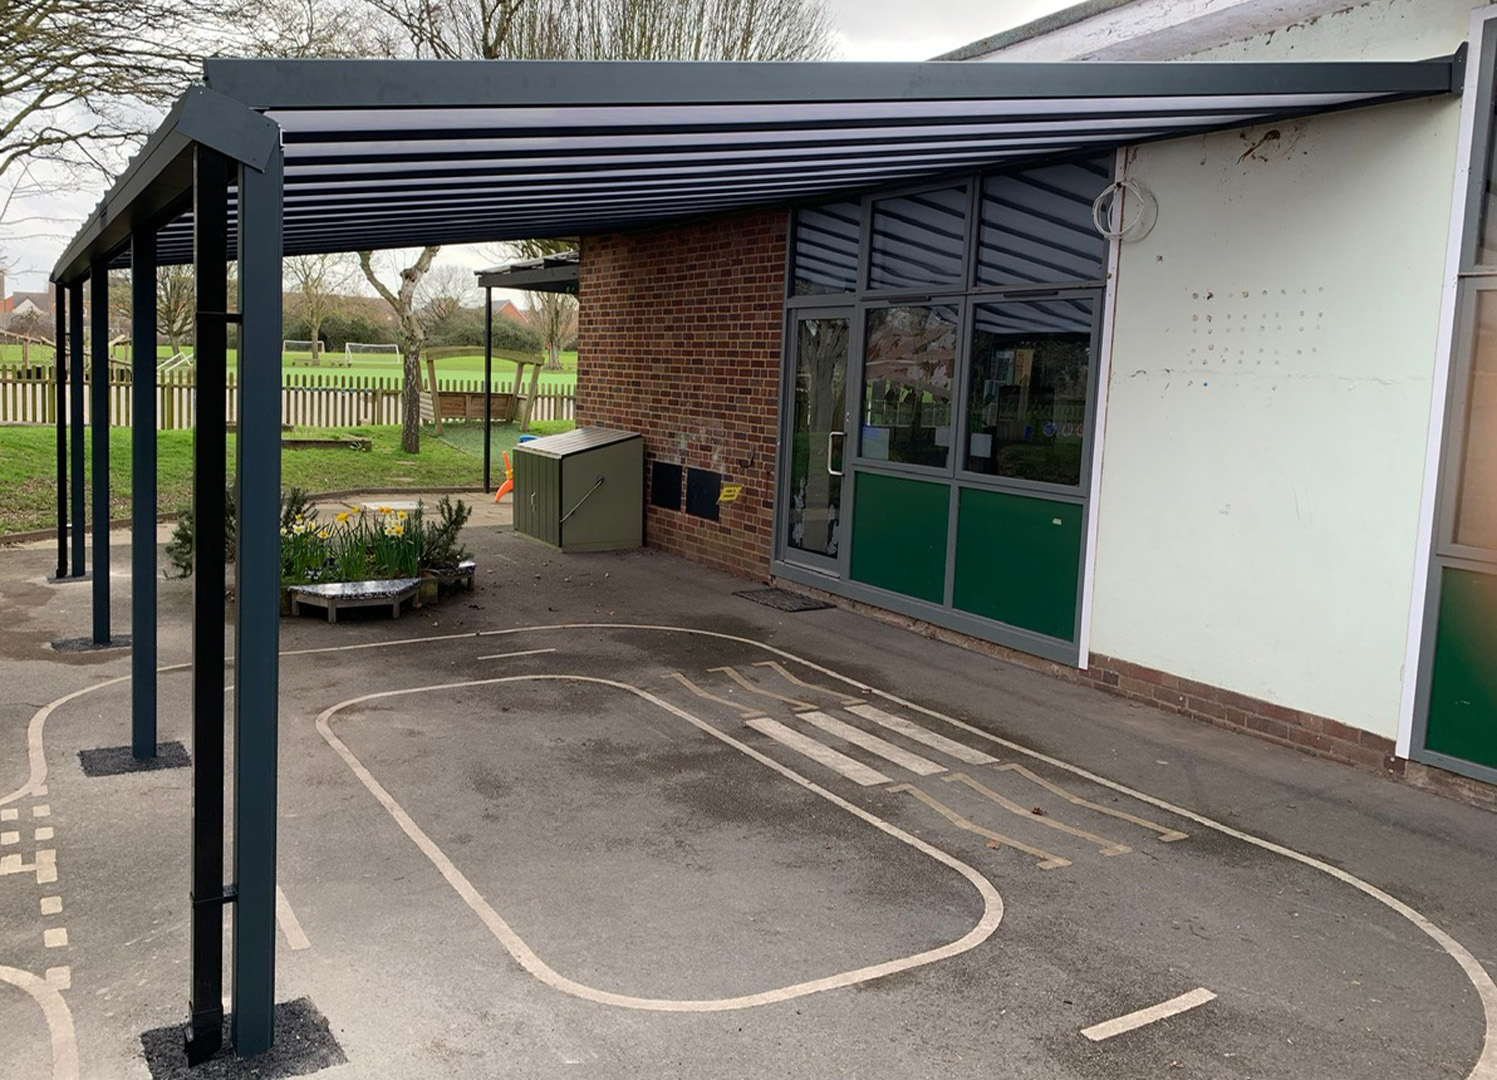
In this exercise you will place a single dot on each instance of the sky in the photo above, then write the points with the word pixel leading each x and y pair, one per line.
pixel 866 30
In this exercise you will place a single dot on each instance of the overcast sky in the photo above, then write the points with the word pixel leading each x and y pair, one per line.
pixel 867 30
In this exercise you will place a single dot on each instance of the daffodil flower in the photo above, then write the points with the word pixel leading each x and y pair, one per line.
pixel 341 518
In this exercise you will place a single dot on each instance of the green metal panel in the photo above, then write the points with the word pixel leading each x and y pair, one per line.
pixel 1463 686
pixel 1018 560
pixel 559 500
pixel 899 535
pixel 537 495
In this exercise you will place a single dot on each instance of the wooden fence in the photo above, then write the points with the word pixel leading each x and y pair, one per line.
pixel 308 399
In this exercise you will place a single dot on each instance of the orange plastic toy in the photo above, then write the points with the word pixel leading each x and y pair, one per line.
pixel 509 479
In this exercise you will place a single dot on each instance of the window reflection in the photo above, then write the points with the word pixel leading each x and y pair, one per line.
pixel 826 248
pixel 908 384
pixel 919 240
pixel 1026 403
pixel 1036 225
pixel 1476 498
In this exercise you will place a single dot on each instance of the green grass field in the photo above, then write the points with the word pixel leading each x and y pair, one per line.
pixel 28 464
pixel 293 364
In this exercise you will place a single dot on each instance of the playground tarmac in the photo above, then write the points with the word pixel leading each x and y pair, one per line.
pixel 604 818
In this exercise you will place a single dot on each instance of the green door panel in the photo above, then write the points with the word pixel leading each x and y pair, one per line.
pixel 899 535
pixel 1463 688
pixel 1018 560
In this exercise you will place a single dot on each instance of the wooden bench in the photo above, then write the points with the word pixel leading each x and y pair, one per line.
pixel 462 574
pixel 351 594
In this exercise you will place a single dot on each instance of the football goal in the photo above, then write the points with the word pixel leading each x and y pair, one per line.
pixel 302 352
pixel 356 352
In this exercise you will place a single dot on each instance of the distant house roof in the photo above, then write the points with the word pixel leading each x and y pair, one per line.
pixel 509 310
pixel 21 303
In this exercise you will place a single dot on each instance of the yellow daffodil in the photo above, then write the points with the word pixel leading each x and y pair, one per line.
pixel 396 530
pixel 342 518
pixel 322 535
pixel 400 514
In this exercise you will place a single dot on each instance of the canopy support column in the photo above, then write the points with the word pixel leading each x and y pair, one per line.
pixel 98 423
pixel 488 387
pixel 75 419
pixel 59 379
pixel 257 570
pixel 211 256
pixel 143 492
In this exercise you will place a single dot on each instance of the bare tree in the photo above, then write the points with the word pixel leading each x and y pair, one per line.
pixel 310 28
pixel 447 290
pixel 412 332
pixel 176 304
pixel 317 280
pixel 553 316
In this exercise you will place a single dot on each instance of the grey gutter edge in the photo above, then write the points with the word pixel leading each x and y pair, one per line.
pixel 1046 24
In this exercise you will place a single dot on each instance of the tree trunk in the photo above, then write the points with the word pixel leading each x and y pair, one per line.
pixel 410 392
pixel 553 352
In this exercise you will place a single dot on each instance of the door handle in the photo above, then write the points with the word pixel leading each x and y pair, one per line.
pixel 829 437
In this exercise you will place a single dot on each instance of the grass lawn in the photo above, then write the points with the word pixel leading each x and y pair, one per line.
pixel 28 463
pixel 457 367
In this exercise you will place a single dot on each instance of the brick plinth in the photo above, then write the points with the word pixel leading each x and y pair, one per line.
pixel 679 338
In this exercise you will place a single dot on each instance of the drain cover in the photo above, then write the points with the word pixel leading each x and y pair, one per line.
pixel 783 600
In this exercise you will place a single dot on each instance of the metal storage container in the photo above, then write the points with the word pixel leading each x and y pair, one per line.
pixel 582 490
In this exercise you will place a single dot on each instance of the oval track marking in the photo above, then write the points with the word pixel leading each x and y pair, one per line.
pixel 526 957
pixel 58 1016
pixel 1484 1069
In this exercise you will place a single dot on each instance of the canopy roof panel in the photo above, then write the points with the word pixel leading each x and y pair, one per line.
pixel 394 153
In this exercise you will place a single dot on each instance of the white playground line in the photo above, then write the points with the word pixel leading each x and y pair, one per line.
pixel 1485 1067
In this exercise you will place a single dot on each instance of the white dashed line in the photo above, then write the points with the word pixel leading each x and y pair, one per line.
pixel 818 752
pixel 60 978
pixel 46 832
pixel 510 655
pixel 56 937
pixel 9 815
pixel 872 743
pixel 7 838
pixel 51 905
pixel 911 730
pixel 41 810
pixel 290 925
pixel 1153 1014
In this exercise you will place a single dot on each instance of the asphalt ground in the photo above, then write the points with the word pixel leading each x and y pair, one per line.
pixel 603 818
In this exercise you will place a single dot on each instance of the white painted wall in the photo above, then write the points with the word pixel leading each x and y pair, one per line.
pixel 1274 352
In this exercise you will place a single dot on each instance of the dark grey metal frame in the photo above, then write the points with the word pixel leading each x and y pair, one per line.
pixel 1474 279
pixel 222 129
pixel 965 296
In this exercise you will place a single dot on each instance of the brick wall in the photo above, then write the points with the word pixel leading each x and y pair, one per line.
pixel 679 338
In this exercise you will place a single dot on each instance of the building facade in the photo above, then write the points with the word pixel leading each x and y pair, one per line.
pixel 1240 459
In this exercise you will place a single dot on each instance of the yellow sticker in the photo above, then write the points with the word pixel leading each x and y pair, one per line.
pixel 729 493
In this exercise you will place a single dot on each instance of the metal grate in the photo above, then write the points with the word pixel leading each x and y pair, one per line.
pixel 783 600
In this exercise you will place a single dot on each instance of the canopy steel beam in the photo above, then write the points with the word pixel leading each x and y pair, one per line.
pixel 257 572
pixel 75 419
pixel 59 380
pixel 98 423
pixel 143 493
pixel 210 186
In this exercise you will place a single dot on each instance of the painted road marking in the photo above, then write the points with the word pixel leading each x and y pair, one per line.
pixel 699 692
pixel 56 937
pixel 60 978
pixel 1154 1013
pixel 290 925
pixel 1485 1067
pixel 873 744
pixel 45 866
pixel 1166 834
pixel 41 810
pixel 10 814
pixel 511 655
pixel 51 905
pixel 784 673
pixel 911 730
pixel 985 927
pixel 1047 861
pixel 59 1020
pixel 818 752
pixel 8 838
pixel 1104 846
pixel 733 674
pixel 45 833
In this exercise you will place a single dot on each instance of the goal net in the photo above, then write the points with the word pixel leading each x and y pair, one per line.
pixel 358 352
pixel 302 352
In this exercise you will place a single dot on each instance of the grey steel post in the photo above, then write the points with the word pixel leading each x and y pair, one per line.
pixel 257 571
pixel 210 256
pixel 75 420
pixel 143 491
pixel 98 423
pixel 59 379
pixel 488 384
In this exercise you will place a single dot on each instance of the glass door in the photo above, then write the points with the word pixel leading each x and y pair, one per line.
pixel 811 498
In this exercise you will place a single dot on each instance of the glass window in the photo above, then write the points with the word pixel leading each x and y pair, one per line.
pixel 1037 228
pixel 909 364
pixel 826 248
pixel 1476 492
pixel 919 240
pixel 1026 403
pixel 816 436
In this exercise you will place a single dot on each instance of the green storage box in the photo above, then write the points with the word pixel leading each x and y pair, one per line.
pixel 582 490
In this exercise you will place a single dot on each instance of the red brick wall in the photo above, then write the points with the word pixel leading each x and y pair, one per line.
pixel 679 338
